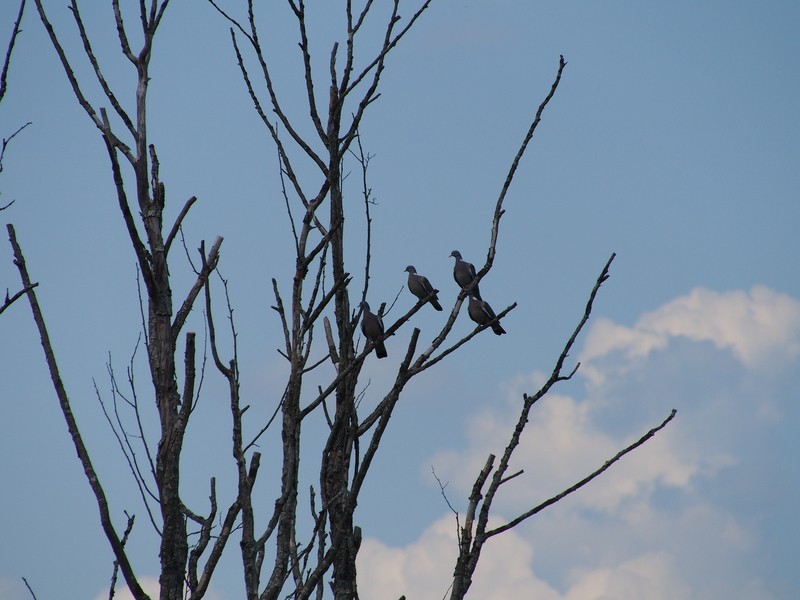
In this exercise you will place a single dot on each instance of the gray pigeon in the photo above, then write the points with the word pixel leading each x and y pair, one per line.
pixel 372 328
pixel 421 287
pixel 482 313
pixel 464 273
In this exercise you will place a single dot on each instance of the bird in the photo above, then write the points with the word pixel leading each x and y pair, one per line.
pixel 480 312
pixel 464 273
pixel 421 287
pixel 372 328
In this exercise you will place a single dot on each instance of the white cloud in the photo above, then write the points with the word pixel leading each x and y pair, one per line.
pixel 423 570
pixel 11 589
pixel 558 448
pixel 760 327
pixel 651 575
pixel 149 585
pixel 669 520
pixel 387 573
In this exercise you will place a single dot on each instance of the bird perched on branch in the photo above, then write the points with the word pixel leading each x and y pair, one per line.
pixel 464 273
pixel 372 328
pixel 421 287
pixel 480 312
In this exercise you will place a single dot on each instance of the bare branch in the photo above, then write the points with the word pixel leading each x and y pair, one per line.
pixel 9 301
pixel 85 104
pixel 423 362
pixel 72 426
pixel 123 38
pixel 529 401
pixel 384 410
pixel 128 452
pixel 30 589
pixel 499 211
pixel 174 231
pixel 356 361
pixel 115 572
pixel 388 45
pixel 87 46
pixel 312 103
pixel 7 62
pixel 284 193
pixel 3 147
pixel 309 320
pixel 209 264
pixel 584 481
pixel 442 487
pixel 331 342
pixel 279 308
pixel 143 257
pixel 276 106
pixel 226 372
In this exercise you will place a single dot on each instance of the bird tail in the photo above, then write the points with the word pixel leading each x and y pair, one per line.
pixel 435 304
pixel 380 349
pixel 497 328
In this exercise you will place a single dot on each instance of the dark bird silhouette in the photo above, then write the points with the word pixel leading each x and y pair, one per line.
pixel 421 287
pixel 464 273
pixel 372 328
pixel 482 313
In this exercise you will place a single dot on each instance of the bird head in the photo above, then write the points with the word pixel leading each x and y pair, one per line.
pixel 410 269
pixel 456 254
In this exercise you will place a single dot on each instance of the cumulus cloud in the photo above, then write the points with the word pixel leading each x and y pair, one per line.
pixel 651 575
pixel 671 520
pixel 560 446
pixel 567 437
pixel 423 570
pixel 11 590
pixel 760 328
pixel 149 585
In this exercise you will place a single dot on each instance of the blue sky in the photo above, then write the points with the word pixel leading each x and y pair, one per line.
pixel 673 140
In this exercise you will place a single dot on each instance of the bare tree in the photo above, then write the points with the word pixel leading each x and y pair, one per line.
pixel 127 143
pixel 318 310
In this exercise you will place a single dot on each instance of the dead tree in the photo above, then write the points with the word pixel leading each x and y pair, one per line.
pixel 343 465
pixel 126 141
pixel 318 314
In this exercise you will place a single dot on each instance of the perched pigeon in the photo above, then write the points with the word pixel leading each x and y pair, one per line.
pixel 372 328
pixel 421 287
pixel 464 273
pixel 482 313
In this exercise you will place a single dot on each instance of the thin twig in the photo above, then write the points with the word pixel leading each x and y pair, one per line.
pixel 30 589
pixel 3 146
